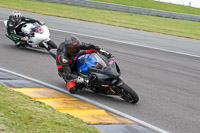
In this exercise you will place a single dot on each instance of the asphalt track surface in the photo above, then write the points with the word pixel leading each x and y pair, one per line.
pixel 167 83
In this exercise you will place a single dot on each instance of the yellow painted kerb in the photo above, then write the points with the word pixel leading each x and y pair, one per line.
pixel 64 103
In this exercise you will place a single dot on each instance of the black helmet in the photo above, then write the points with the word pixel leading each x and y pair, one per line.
pixel 16 16
pixel 71 44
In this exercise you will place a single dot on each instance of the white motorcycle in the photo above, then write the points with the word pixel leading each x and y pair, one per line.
pixel 38 36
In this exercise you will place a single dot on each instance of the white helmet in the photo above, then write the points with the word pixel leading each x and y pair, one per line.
pixel 17 16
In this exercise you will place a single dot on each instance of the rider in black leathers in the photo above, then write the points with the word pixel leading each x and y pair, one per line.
pixel 67 53
pixel 14 25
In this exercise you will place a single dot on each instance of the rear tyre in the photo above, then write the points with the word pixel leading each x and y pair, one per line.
pixel 51 45
pixel 128 94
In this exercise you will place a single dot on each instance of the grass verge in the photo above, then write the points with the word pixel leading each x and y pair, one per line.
pixel 20 114
pixel 168 26
pixel 156 5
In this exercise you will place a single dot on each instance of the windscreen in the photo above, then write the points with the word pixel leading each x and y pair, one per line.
pixel 100 63
pixel 38 28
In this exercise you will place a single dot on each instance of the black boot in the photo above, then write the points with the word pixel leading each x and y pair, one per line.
pixel 73 90
pixel 17 43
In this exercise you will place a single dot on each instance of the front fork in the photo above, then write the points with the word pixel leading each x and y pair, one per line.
pixel 109 87
pixel 115 87
pixel 119 82
pixel 44 44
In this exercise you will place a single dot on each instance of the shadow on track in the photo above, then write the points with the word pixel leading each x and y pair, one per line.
pixel 26 49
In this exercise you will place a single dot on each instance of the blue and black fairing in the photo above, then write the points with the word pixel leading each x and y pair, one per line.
pixel 94 63
pixel 85 61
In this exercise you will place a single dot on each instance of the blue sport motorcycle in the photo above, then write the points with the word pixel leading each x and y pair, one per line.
pixel 103 75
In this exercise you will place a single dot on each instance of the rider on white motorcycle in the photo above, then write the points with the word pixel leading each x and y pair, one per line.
pixel 14 25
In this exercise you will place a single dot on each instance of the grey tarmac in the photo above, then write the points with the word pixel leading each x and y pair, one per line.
pixel 167 82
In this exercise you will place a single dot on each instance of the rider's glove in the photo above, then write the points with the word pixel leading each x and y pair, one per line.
pixel 41 22
pixel 80 80
pixel 24 38
pixel 107 54
pixel 102 50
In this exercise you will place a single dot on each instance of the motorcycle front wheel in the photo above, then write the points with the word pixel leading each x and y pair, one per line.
pixel 128 94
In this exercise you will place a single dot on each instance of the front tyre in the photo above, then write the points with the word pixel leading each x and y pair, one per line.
pixel 128 94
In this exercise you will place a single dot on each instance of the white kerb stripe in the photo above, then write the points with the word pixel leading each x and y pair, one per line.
pixel 140 122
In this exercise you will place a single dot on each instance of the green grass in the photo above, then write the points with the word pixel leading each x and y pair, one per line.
pixel 156 5
pixel 20 114
pixel 168 26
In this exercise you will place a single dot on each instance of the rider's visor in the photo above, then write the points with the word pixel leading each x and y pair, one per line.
pixel 72 50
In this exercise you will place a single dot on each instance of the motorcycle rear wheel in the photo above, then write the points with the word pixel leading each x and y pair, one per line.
pixel 128 94
pixel 51 45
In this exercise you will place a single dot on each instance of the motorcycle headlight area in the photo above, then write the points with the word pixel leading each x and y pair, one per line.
pixel 39 30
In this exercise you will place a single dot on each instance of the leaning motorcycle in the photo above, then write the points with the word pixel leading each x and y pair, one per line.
pixel 38 36
pixel 103 76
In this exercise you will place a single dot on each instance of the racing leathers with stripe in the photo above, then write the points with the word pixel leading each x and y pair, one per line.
pixel 14 28
pixel 66 63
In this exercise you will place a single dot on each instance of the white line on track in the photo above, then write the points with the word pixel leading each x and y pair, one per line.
pixel 140 122
pixel 135 44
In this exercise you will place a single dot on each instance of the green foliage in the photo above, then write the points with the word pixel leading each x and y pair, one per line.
pixel 20 114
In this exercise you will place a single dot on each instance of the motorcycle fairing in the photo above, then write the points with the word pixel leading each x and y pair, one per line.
pixel 94 63
pixel 85 61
